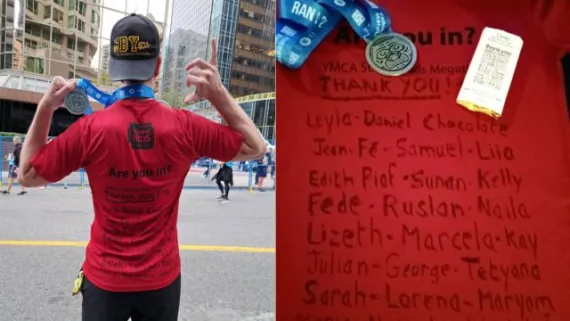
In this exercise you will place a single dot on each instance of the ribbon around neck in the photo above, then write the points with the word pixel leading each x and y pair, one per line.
pixel 303 24
pixel 105 99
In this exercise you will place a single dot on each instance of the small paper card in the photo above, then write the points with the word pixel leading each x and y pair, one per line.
pixel 489 76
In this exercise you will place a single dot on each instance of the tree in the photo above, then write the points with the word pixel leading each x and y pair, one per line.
pixel 103 79
pixel 174 99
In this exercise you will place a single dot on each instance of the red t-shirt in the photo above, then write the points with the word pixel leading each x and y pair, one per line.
pixel 405 205
pixel 136 155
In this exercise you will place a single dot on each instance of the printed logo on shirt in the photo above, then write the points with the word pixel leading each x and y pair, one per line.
pixel 141 136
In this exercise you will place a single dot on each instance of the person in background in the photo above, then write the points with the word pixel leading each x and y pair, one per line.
pixel 273 169
pixel 13 170
pixel 225 175
pixel 271 160
pixel 255 169
pixel 209 165
pixel 10 159
pixel 268 158
pixel 261 173
pixel 261 166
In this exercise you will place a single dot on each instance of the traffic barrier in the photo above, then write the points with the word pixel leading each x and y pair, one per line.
pixel 7 148
pixel 199 176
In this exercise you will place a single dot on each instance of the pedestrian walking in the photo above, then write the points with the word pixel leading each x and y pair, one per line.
pixel 209 164
pixel 13 167
pixel 136 154
pixel 224 176
pixel 261 173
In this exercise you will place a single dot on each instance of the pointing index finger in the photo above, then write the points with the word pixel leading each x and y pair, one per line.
pixel 198 63
pixel 214 56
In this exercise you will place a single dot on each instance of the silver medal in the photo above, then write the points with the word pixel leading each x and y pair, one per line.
pixel 76 102
pixel 391 54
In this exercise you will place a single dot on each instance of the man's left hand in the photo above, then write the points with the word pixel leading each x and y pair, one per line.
pixel 55 95
pixel 205 77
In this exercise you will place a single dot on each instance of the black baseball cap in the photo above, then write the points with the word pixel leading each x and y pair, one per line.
pixel 135 47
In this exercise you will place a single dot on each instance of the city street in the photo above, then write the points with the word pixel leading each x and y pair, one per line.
pixel 227 252
pixel 194 179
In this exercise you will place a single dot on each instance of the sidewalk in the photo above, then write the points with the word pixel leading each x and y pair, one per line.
pixel 194 180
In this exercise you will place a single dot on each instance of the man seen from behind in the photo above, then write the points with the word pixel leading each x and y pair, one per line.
pixel 136 154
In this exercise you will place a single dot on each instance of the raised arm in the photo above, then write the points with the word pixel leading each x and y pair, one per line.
pixel 205 77
pixel 41 163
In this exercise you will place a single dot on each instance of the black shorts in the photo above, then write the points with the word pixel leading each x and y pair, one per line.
pixel 158 305
pixel 12 171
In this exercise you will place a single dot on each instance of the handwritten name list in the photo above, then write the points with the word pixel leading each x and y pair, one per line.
pixel 135 215
pixel 386 222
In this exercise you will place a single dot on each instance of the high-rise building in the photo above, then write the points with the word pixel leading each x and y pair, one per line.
pixel 187 39
pixel 56 38
pixel 245 31
pixel 253 65
pixel 40 39
pixel 261 109
pixel 104 58
pixel 182 44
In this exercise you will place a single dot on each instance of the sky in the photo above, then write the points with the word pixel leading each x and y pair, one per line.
pixel 110 16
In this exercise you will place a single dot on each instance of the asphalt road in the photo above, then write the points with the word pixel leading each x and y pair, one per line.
pixel 219 284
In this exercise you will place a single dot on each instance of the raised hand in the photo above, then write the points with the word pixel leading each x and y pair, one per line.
pixel 56 92
pixel 204 76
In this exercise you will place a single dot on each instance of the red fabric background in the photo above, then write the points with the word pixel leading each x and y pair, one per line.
pixel 537 135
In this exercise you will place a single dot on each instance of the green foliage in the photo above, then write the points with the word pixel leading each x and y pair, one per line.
pixel 103 79
pixel 174 99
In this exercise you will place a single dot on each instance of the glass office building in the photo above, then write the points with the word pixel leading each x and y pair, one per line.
pixel 261 109
pixel 64 37
pixel 40 39
pixel 58 37
pixel 193 25
pixel 186 39
pixel 253 65
pixel 245 33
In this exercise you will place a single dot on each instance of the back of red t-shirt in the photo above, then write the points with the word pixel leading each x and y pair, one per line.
pixel 136 154
pixel 136 178
pixel 373 218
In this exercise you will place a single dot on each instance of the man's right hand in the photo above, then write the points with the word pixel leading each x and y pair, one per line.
pixel 205 77
pixel 56 92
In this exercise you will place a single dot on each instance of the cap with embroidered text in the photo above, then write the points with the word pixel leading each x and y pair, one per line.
pixel 135 47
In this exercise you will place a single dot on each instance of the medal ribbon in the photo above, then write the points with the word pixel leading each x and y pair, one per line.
pixel 303 24
pixel 105 99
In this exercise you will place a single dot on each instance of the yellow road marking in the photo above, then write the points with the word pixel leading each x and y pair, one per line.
pixel 183 247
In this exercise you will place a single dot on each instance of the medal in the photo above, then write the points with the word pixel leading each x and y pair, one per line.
pixel 76 102
pixel 387 52
pixel 391 54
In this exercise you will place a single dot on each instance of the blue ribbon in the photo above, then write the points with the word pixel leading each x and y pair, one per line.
pixel 105 99
pixel 304 24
